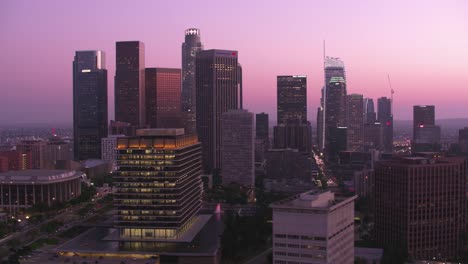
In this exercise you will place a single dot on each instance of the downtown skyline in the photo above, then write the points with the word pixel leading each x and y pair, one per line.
pixel 422 54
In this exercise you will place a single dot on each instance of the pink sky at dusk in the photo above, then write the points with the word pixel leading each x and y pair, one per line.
pixel 423 45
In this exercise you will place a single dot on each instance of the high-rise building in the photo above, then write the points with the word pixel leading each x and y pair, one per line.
pixel 218 90
pixel 420 206
pixel 385 118
pixel 109 149
pixel 332 102
pixel 335 106
pixel 158 184
pixel 237 148
pixel 12 160
pixel 121 128
pixel 262 126
pixel 463 139
pixel 354 119
pixel 372 136
pixel 130 83
pixel 314 227
pixel 369 111
pixel 163 98
pixel 36 150
pixel 89 104
pixel 426 135
pixel 190 48
pixel 56 149
pixel 292 99
pixel 293 135
pixel 288 164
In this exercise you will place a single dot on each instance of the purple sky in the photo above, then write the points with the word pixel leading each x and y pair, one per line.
pixel 423 45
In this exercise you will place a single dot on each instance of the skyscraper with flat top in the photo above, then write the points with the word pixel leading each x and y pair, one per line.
pixel 130 83
pixel 426 135
pixel 190 47
pixel 158 184
pixel 219 89
pixel 238 148
pixel 423 115
pixel 89 104
pixel 354 119
pixel 385 118
pixel 292 99
pixel 163 98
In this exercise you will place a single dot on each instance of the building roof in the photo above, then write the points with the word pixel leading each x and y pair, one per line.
pixel 38 176
pixel 313 199
pixel 90 163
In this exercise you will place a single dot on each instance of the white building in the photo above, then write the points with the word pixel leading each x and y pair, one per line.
pixel 238 148
pixel 109 149
pixel 313 227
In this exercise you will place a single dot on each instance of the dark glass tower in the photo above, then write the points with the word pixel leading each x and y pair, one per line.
pixel 262 126
pixel 385 118
pixel 292 99
pixel 423 115
pixel 89 104
pixel 190 48
pixel 158 184
pixel 426 135
pixel 369 111
pixel 218 90
pixel 130 83
pixel 163 98
pixel 354 122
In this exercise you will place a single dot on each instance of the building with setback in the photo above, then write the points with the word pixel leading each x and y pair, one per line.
pixel 313 227
pixel 163 106
pixel 130 82
pixel 158 184
pixel 190 48
pixel 420 206
pixel 237 148
pixel 89 104
pixel 218 90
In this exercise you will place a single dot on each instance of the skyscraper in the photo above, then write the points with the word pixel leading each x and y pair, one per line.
pixel 420 206
pixel 369 111
pixel 130 83
pixel 162 93
pixel 262 126
pixel 218 90
pixel 237 148
pixel 385 118
pixel 292 99
pixel 335 110
pixel 355 122
pixel 158 184
pixel 34 148
pixel 89 104
pixel 426 135
pixel 314 227
pixel 190 48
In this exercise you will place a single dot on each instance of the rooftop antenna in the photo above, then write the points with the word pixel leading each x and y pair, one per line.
pixel 391 94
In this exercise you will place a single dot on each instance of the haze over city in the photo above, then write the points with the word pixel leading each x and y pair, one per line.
pixel 420 44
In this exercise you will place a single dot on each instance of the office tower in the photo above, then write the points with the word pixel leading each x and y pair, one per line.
pixel 333 98
pixel 420 206
pixel 463 139
pixel 423 115
pixel 218 90
pixel 55 150
pixel 372 136
pixel 121 128
pixel 335 106
pixel 354 118
pixel 313 227
pixel 190 47
pixel 109 149
pixel 36 150
pixel 385 117
pixel 130 82
pixel 237 148
pixel 293 135
pixel 287 164
pixel 262 126
pixel 158 184
pixel 292 99
pixel 162 93
pixel 337 141
pixel 369 111
pixel 426 135
pixel 319 131
pixel 89 104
